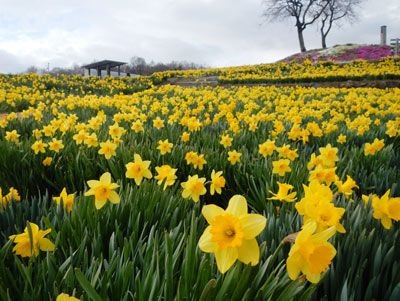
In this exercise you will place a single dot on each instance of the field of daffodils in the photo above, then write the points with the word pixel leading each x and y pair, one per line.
pixel 129 189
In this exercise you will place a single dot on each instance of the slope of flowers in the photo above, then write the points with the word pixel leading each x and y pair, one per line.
pixel 211 193
pixel 342 53
pixel 306 71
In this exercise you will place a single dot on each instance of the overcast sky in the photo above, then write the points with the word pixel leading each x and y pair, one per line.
pixel 213 32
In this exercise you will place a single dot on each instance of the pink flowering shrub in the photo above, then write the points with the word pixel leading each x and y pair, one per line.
pixel 373 52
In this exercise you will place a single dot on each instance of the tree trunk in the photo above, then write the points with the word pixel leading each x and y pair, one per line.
pixel 301 39
pixel 323 37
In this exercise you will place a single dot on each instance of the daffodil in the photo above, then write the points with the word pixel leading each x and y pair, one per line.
pixel 137 126
pixel 281 167
pixel 316 206
pixel 341 139
pixel 47 161
pixel 325 214
pixel 267 148
pixel 217 182
pixel 67 199
pixel 38 146
pixel 12 136
pixel 56 145
pixel 193 188
pixel 314 161
pixel 226 141
pixel 103 190
pixel 115 130
pixel 311 253
pixel 199 162
pixel 185 137
pixel 347 187
pixel 234 157
pixel 66 297
pixel 191 157
pixel 27 247
pixel 12 194
pixel 231 233
pixel 282 194
pixel 386 209
pixel 164 146
pixel 91 140
pixel 107 149
pixel 166 174
pixel 158 123
pixel 80 137
pixel 328 156
pixel 138 170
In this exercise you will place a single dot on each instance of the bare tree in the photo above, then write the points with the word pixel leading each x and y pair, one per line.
pixel 138 65
pixel 305 12
pixel 335 11
pixel 32 69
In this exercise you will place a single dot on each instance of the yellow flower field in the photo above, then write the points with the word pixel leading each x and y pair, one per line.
pixel 149 191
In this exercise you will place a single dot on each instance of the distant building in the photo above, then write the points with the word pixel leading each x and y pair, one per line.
pixel 104 67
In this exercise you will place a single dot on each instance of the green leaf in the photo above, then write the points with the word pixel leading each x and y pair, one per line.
pixel 86 285
pixel 208 291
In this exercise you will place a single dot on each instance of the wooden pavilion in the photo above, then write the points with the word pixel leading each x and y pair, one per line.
pixel 104 65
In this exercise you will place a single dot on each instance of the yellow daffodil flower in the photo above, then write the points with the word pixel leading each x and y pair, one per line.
pixel 138 170
pixel 231 233
pixel 311 253
pixel 103 190
pixel 25 247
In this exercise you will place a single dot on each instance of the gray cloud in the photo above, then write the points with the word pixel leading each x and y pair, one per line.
pixel 213 32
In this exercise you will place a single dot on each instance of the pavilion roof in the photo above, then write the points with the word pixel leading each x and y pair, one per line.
pixel 102 65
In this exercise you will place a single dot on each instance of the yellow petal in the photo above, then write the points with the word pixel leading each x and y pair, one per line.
pixel 212 189
pixel 137 158
pixel 225 259
pixel 195 198
pixel 113 186
pixel 386 222
pixel 340 228
pixel 393 208
pixel 88 193
pixel 100 204
pixel 45 232
pixel 114 197
pixel 105 178
pixel 237 206
pixel 325 235
pixel 138 180
pixel 294 264
pixel 249 252
pixel 205 243
pixel 46 245
pixel 147 174
pixel 313 278
pixel 62 297
pixel 93 183
pixel 252 225
pixel 63 193
pixel 20 237
pixel 146 164
pixel 211 211
pixel 185 194
pixel 34 228
pixel 308 229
